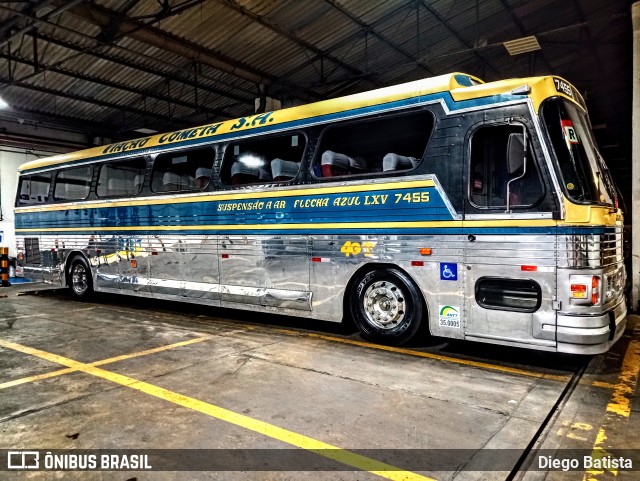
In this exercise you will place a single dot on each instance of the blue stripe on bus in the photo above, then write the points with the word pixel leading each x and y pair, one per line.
pixel 388 205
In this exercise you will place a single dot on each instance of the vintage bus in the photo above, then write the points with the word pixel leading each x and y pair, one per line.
pixel 444 206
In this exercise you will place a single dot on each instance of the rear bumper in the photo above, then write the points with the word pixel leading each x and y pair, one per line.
pixel 591 334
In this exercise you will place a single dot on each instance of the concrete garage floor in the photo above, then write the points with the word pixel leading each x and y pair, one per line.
pixel 125 373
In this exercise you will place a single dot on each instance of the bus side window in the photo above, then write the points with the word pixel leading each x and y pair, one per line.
pixel 183 170
pixel 73 184
pixel 393 143
pixel 122 178
pixel 489 172
pixel 270 159
pixel 34 189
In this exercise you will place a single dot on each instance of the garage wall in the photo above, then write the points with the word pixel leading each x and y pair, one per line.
pixel 10 160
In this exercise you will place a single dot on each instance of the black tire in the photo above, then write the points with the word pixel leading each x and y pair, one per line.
pixel 79 279
pixel 386 306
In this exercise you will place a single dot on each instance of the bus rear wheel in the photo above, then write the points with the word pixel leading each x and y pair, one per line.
pixel 386 306
pixel 79 279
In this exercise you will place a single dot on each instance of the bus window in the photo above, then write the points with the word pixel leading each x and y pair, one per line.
pixel 183 170
pixel 73 184
pixel 124 178
pixel 389 144
pixel 274 159
pixel 34 189
pixel 489 172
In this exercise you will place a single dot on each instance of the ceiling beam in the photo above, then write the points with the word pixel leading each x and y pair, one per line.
pixel 371 30
pixel 100 16
pixel 261 20
pixel 107 83
pixel 350 39
pixel 445 23
pixel 173 76
pixel 95 101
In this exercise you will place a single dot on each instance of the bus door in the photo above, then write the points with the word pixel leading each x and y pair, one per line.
pixel 510 244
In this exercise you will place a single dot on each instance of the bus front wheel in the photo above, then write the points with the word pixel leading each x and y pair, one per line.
pixel 386 306
pixel 79 279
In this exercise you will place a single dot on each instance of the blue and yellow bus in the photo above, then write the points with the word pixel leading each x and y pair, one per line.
pixel 444 206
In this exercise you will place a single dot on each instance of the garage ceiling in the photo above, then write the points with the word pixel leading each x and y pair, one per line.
pixel 107 68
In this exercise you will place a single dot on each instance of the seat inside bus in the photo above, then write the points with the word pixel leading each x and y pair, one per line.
pixel 203 175
pixel 172 181
pixel 335 164
pixel 242 173
pixel 283 169
pixel 393 161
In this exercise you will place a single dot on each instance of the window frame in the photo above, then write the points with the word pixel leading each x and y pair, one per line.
pixel 120 161
pixel 317 158
pixel 183 151
pixel 24 177
pixel 226 183
pixel 517 122
pixel 61 171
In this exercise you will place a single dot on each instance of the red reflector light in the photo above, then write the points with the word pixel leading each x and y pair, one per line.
pixel 417 263
pixel 134 264
pixel 224 256
pixel 594 290
pixel 578 288
pixel 529 268
pixel 316 259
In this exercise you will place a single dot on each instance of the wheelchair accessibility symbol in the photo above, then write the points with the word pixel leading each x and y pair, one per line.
pixel 448 271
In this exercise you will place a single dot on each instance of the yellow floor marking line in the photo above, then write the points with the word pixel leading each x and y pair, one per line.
pixel 621 398
pixel 294 439
pixel 60 372
pixel 619 407
pixel 429 355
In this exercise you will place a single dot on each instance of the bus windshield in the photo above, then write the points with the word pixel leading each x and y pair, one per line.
pixel 585 176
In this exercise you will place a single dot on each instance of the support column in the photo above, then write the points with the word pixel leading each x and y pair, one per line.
pixel 635 156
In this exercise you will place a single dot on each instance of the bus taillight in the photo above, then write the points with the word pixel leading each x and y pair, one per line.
pixel 585 290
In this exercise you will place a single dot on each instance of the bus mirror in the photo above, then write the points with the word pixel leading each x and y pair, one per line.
pixel 515 153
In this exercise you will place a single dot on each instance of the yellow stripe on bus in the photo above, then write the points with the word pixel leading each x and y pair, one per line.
pixel 332 225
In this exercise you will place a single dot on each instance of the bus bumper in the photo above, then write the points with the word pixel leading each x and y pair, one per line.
pixel 591 334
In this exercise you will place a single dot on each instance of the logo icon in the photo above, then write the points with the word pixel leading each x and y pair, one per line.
pixel 449 316
pixel 23 460
pixel 448 271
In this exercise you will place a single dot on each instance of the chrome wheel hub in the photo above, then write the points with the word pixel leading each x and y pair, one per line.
pixel 384 304
pixel 79 281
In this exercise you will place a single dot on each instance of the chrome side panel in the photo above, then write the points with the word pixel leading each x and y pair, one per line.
pixel 502 257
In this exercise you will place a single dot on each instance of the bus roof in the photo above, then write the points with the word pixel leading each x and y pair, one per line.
pixel 462 89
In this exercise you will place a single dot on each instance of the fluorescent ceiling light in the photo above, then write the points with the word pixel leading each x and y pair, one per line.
pixel 144 130
pixel 522 45
pixel 3 104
